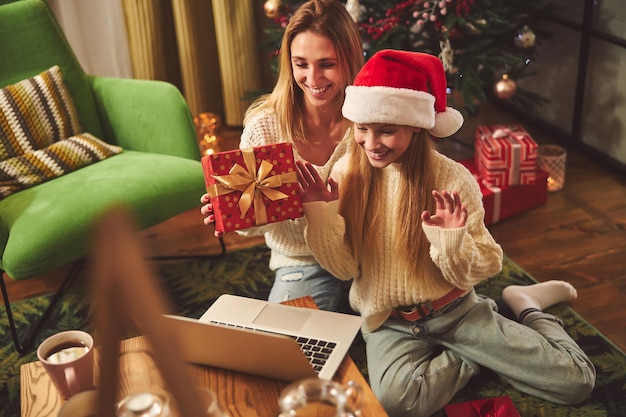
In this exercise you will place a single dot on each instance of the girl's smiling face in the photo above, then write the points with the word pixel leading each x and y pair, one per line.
pixel 315 68
pixel 383 144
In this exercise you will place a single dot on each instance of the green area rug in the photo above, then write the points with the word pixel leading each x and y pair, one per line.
pixel 194 285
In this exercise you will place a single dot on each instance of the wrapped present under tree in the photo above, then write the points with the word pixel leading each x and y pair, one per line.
pixel 505 155
pixel 503 202
pixel 253 186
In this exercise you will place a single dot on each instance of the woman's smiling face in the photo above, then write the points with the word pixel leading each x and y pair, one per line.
pixel 315 68
pixel 383 144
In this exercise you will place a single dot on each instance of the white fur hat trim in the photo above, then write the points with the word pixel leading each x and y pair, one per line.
pixel 398 106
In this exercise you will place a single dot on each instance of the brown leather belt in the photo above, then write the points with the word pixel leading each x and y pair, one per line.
pixel 427 308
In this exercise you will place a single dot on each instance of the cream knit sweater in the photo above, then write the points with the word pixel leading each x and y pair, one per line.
pixel 285 239
pixel 462 257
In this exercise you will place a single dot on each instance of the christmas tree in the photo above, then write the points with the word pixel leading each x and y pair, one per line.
pixel 486 46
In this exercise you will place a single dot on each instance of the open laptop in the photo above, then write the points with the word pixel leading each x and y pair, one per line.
pixel 266 339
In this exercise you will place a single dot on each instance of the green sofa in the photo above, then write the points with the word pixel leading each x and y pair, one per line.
pixel 158 175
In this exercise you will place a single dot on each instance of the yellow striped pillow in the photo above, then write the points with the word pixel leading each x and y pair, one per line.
pixel 61 157
pixel 36 112
pixel 40 134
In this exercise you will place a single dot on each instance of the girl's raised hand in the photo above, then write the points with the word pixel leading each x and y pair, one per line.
pixel 450 214
pixel 207 212
pixel 311 185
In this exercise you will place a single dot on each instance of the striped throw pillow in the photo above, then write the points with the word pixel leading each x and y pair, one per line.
pixel 40 134
pixel 36 112
pixel 61 157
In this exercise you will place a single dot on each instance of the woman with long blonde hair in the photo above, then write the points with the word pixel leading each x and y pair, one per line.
pixel 320 55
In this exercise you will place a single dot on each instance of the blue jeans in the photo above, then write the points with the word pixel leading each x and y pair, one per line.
pixel 299 281
pixel 416 368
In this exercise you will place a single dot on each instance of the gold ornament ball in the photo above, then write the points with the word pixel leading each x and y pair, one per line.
pixel 272 8
pixel 505 88
pixel 526 38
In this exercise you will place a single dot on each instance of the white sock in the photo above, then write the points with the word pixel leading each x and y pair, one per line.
pixel 537 296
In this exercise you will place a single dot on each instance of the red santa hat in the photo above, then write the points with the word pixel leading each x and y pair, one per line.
pixel 402 88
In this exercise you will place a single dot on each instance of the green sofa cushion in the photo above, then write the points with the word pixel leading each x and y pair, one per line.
pixel 59 218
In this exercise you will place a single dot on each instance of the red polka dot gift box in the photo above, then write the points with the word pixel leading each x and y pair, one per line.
pixel 253 186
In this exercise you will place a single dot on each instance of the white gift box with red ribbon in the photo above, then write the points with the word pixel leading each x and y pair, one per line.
pixel 505 155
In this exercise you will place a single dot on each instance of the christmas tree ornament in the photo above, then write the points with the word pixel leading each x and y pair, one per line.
pixel 505 88
pixel 447 56
pixel 525 38
pixel 272 8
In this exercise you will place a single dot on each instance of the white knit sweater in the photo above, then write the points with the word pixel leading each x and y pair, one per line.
pixel 285 239
pixel 462 257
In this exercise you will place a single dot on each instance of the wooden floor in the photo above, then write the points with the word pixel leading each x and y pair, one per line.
pixel 579 235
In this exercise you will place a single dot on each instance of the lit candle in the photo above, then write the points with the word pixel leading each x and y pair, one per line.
pixel 552 159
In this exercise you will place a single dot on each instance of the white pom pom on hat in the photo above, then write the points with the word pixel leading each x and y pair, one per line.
pixel 402 88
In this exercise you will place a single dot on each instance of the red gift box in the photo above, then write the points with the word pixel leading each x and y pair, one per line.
pixel 503 202
pixel 505 155
pixel 488 407
pixel 253 186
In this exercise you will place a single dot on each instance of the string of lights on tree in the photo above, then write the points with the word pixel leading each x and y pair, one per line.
pixel 486 46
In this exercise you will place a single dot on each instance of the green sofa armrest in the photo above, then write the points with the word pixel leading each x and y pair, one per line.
pixel 145 115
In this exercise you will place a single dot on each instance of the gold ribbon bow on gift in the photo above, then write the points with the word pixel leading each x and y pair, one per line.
pixel 253 185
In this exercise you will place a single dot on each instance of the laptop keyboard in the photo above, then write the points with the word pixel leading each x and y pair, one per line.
pixel 316 350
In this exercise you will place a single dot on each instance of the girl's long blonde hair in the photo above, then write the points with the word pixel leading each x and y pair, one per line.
pixel 327 18
pixel 361 202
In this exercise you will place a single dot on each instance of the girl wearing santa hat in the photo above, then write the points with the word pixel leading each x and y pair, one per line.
pixel 320 55
pixel 405 224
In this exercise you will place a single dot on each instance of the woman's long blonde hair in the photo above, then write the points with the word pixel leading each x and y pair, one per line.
pixel 361 202
pixel 327 18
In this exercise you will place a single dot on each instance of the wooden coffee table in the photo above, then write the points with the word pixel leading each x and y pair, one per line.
pixel 239 394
